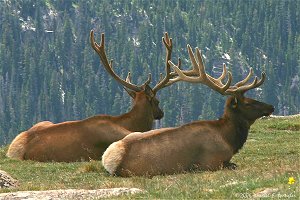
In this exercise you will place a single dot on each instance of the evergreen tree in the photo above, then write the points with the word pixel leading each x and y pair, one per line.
pixel 48 71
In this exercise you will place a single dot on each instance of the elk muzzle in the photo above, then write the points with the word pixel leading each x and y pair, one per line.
pixel 269 109
pixel 159 115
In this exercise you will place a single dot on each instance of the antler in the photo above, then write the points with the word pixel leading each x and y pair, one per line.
pixel 198 75
pixel 164 81
pixel 201 76
pixel 240 88
pixel 109 67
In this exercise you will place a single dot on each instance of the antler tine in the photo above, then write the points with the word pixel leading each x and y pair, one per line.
pixel 148 80
pixel 201 66
pixel 256 83
pixel 195 70
pixel 167 41
pixel 243 82
pixel 191 72
pixel 108 65
pixel 93 43
pixel 214 83
pixel 224 72
pixel 174 74
pixel 184 74
pixel 164 81
pixel 196 65
pixel 181 76
pixel 202 77
pixel 172 77
pixel 240 90
pixel 128 78
pixel 161 77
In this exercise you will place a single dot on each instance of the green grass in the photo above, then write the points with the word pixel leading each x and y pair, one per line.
pixel 269 157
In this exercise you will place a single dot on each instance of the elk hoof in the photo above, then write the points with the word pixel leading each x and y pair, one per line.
pixel 229 165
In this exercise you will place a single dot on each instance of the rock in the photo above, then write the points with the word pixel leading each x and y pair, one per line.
pixel 74 194
pixel 6 181
pixel 284 116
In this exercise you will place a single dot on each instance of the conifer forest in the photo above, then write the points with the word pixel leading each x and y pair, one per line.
pixel 49 71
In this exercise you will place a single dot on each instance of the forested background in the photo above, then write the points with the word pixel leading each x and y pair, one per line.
pixel 48 70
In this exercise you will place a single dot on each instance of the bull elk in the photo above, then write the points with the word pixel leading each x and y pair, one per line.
pixel 87 139
pixel 200 145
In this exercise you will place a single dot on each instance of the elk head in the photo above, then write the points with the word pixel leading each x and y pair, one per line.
pixel 142 94
pixel 249 108
pixel 237 103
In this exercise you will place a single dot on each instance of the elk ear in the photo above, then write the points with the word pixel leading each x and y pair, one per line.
pixel 130 92
pixel 149 92
pixel 234 103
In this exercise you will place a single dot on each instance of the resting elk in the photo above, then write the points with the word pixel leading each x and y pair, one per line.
pixel 87 139
pixel 200 145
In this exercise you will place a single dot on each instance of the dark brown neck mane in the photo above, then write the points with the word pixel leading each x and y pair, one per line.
pixel 138 119
pixel 238 130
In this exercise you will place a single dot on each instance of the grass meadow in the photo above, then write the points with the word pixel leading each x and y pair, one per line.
pixel 267 166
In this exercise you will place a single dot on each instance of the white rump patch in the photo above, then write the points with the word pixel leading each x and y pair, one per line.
pixel 113 156
pixel 16 149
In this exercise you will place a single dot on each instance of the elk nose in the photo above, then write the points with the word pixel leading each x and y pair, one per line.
pixel 272 108
pixel 160 115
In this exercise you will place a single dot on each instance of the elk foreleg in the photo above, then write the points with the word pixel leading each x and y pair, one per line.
pixel 229 165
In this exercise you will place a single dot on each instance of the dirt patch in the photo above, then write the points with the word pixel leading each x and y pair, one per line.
pixel 73 194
